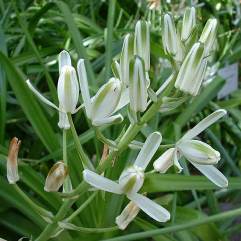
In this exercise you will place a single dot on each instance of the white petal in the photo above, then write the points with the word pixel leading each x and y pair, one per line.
pixel 137 86
pixel 150 147
pixel 40 96
pixel 84 87
pixel 204 124
pixel 127 215
pixel 64 59
pixel 198 152
pixel 101 183
pixel 151 208
pixel 124 99
pixel 165 161
pixel 213 174
pixel 106 100
pixel 108 120
pixel 176 161
pixel 68 89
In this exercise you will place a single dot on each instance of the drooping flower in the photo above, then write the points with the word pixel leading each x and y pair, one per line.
pixel 67 89
pixel 199 154
pixel 12 161
pixel 56 177
pixel 130 182
pixel 100 109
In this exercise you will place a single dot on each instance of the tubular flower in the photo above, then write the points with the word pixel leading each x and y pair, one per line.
pixel 142 42
pixel 199 154
pixel 169 36
pixel 188 24
pixel 56 177
pixel 138 85
pixel 208 35
pixel 12 161
pixel 192 71
pixel 67 89
pixel 100 108
pixel 130 182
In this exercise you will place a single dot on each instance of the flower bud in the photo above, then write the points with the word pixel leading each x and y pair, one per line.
pixel 138 85
pixel 169 36
pixel 142 42
pixel 190 76
pixel 64 60
pixel 165 161
pixel 131 179
pixel 127 215
pixel 127 54
pixel 68 89
pixel 106 100
pixel 189 22
pixel 12 161
pixel 208 35
pixel 56 177
pixel 198 152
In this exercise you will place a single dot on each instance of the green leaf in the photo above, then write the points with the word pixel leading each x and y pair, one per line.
pixel 29 104
pixel 155 182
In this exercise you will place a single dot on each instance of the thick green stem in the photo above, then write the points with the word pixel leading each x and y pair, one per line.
pixel 179 227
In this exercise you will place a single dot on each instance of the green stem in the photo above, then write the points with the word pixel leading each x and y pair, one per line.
pixel 81 208
pixel 41 211
pixel 50 228
pixel 110 24
pixel 83 157
pixel 179 227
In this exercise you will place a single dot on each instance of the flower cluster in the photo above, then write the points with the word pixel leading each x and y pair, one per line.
pixel 131 85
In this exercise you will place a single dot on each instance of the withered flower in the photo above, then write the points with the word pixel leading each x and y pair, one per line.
pixel 12 161
pixel 56 177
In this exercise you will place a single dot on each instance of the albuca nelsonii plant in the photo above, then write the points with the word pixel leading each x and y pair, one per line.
pixel 127 96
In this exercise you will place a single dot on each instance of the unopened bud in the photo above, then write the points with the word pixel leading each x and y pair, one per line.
pixel 198 152
pixel 142 42
pixel 189 22
pixel 56 177
pixel 191 74
pixel 68 89
pixel 138 85
pixel 208 35
pixel 169 36
pixel 12 161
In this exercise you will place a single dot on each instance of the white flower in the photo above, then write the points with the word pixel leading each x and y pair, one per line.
pixel 169 35
pixel 56 177
pixel 67 89
pixel 142 42
pixel 127 54
pixel 199 154
pixel 208 35
pixel 192 71
pixel 12 161
pixel 189 22
pixel 131 181
pixel 138 85
pixel 100 108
